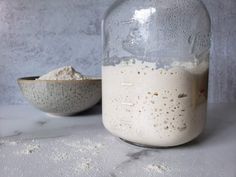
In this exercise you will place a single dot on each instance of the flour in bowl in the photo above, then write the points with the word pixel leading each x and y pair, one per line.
pixel 64 73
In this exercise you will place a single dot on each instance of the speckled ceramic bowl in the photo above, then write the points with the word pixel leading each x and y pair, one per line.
pixel 63 98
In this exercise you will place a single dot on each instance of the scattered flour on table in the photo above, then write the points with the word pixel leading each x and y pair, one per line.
pixel 69 151
pixel 12 143
pixel 58 156
pixel 65 151
pixel 64 73
pixel 29 149
pixel 78 154
pixel 158 168
pixel 9 143
pixel 83 166
pixel 85 145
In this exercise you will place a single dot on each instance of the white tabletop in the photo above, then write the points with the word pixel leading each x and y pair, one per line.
pixel 32 144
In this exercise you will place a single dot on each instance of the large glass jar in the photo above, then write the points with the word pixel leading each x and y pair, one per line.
pixel 155 70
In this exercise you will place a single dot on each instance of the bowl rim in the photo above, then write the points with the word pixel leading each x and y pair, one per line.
pixel 33 79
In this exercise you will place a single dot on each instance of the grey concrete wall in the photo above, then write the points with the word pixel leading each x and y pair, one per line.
pixel 223 55
pixel 39 35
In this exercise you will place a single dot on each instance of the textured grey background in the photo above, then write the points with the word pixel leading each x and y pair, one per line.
pixel 39 35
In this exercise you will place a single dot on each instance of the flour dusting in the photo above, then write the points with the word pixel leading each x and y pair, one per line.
pixel 10 143
pixel 29 149
pixel 84 165
pixel 85 145
pixel 159 168
pixel 58 156
pixel 75 156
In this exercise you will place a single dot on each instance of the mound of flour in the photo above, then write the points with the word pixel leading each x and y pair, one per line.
pixel 64 73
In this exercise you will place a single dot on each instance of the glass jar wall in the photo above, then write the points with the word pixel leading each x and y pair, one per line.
pixel 155 70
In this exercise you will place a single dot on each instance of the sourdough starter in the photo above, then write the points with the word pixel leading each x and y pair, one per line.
pixel 155 107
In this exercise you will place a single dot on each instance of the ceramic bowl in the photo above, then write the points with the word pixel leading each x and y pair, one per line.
pixel 63 98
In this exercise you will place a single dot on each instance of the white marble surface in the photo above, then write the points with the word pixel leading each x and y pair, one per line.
pixel 33 144
pixel 38 36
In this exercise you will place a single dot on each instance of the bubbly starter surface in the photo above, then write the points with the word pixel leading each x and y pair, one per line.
pixel 155 107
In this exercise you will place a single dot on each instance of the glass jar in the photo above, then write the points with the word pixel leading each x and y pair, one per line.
pixel 155 70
